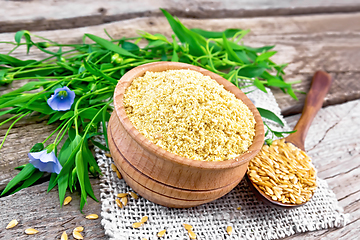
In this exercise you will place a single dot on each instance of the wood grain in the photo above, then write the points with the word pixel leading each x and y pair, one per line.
pixel 63 14
pixel 35 208
pixel 330 42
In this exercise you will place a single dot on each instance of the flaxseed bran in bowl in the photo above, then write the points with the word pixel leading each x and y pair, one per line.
pixel 180 135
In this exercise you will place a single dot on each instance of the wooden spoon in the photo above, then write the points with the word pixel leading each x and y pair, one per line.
pixel 320 86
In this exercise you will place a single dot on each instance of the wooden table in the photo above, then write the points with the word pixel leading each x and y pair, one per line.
pixel 310 36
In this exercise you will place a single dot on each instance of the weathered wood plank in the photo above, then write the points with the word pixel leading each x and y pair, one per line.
pixel 308 43
pixel 30 15
pixel 333 143
pixel 35 208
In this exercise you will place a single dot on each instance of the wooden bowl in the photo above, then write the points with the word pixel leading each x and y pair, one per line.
pixel 166 178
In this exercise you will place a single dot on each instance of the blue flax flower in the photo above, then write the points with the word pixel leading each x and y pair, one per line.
pixel 62 99
pixel 45 162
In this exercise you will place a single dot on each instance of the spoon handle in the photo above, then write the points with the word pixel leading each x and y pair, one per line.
pixel 320 86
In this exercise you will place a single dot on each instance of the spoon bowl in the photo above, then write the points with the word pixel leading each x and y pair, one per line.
pixel 320 86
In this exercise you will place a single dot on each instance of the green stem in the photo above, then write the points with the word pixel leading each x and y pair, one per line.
pixel 7 132
pixel 53 132
pixel 9 119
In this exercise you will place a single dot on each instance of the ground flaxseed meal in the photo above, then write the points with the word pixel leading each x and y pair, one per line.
pixel 189 114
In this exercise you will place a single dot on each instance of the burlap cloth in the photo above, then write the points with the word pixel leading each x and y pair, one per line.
pixel 253 221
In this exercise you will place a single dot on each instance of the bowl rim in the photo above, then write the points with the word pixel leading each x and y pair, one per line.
pixel 126 80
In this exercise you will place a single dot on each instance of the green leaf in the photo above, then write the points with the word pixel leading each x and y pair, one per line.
pixel 27 87
pixel 251 71
pixel 87 183
pixel 90 113
pixel 229 33
pixel 26 35
pixel 80 169
pixel 265 56
pixel 270 115
pixel 175 57
pixel 110 46
pixel 105 119
pixel 90 158
pixel 291 93
pixel 14 62
pixel 232 55
pixel 243 56
pixel 52 182
pixel 38 147
pixel 274 82
pixel 194 40
pixel 129 46
pixel 99 145
pixel 62 186
pixel 95 71
pixel 259 85
pixel 19 99
pixel 30 181
pixel 55 117
pixel 67 115
pixel 21 176
pixel 100 98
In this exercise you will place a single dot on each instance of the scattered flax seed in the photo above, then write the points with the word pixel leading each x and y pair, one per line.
pixel 121 195
pixel 192 235
pixel 187 226
pixel 286 173
pixel 92 216
pixel 12 224
pixel 133 195
pixel 78 229
pixel 118 174
pixel 67 200
pixel 31 231
pixel 118 202
pixel 137 224
pixel 124 200
pixel 77 235
pixel 64 236
pixel 194 115
pixel 144 239
pixel 113 167
pixel 144 219
pixel 161 233
pixel 229 230
pixel 238 208
pixel 108 155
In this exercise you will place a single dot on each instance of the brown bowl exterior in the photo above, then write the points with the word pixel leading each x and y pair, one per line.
pixel 164 174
